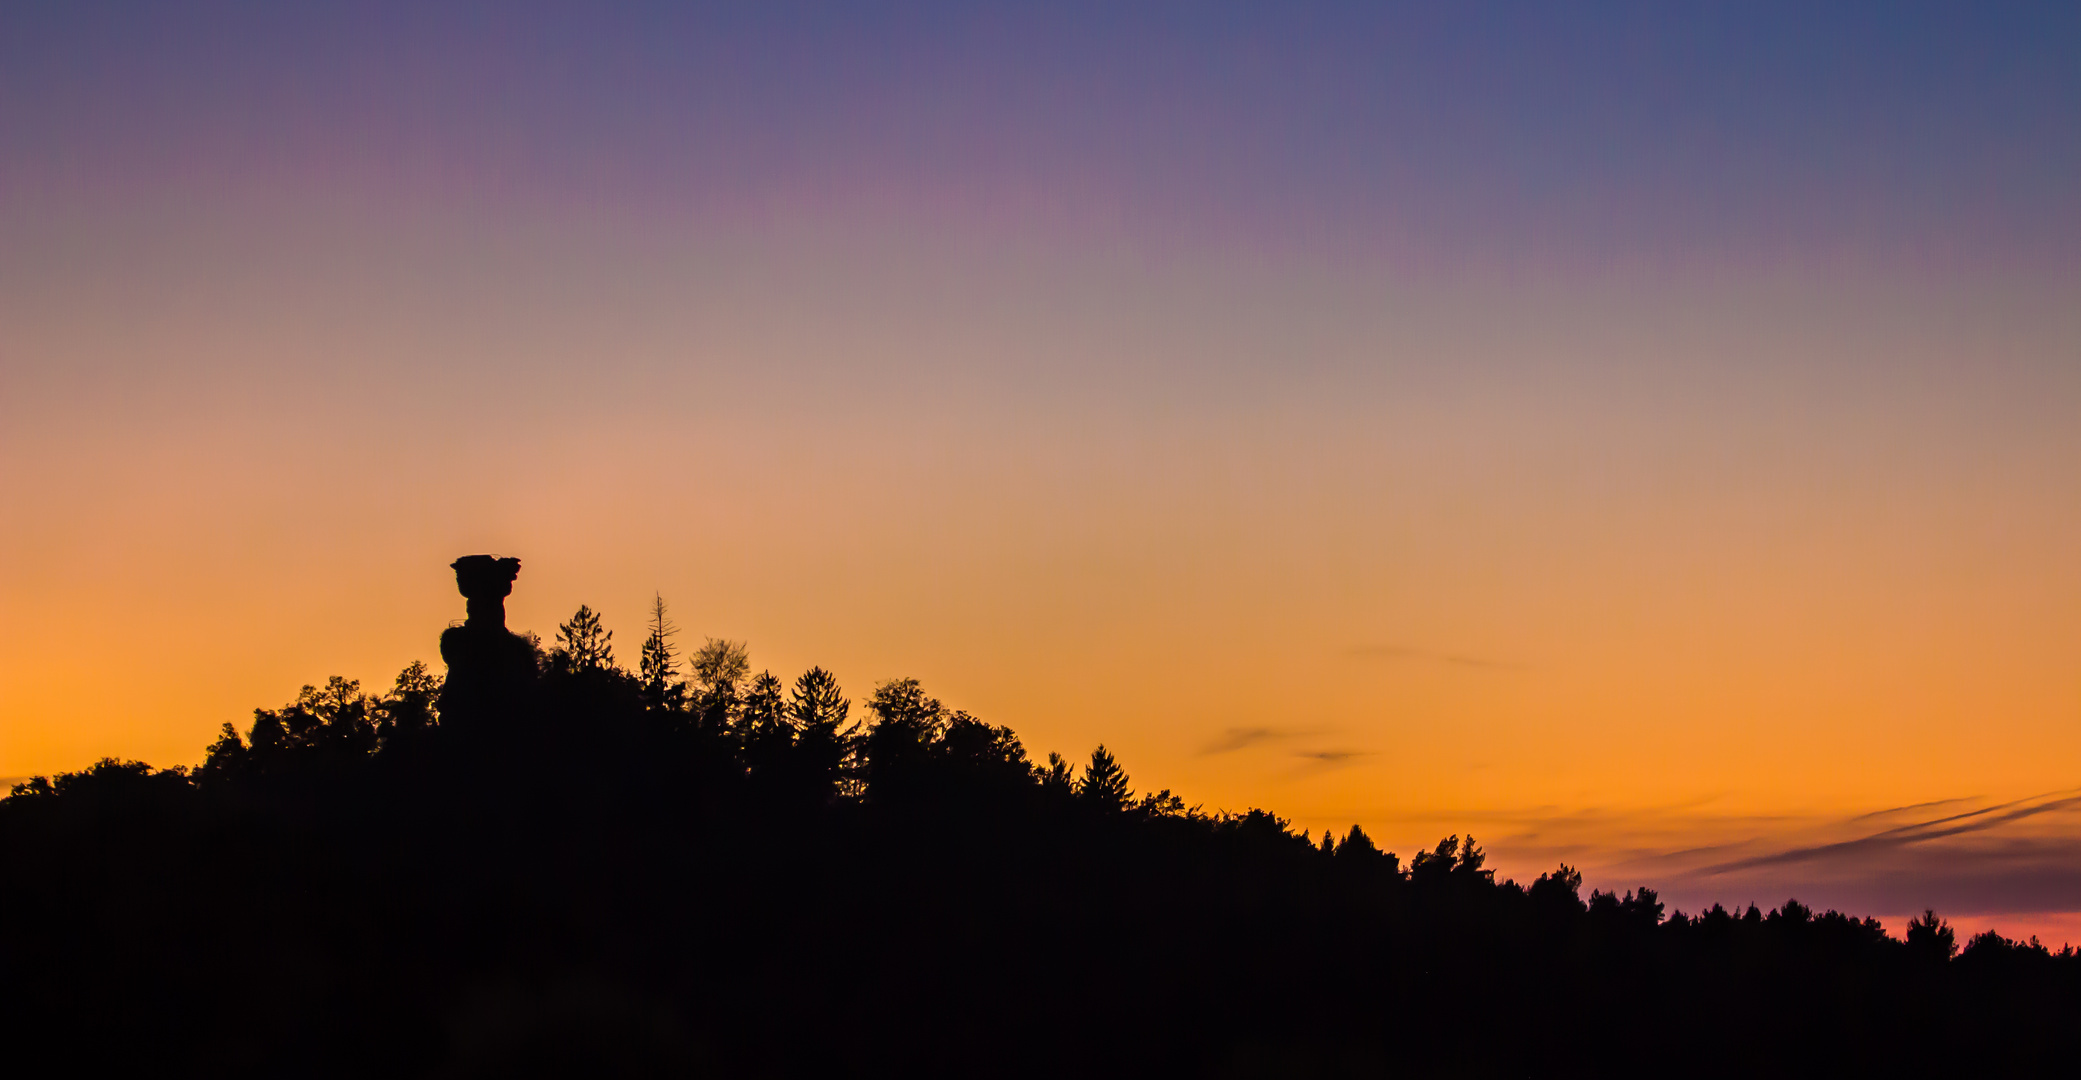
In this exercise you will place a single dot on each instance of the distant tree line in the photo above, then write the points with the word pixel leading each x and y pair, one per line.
pixel 693 869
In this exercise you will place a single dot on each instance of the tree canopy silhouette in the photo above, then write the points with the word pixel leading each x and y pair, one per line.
pixel 546 864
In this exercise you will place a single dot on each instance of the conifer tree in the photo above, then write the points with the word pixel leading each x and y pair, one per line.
pixel 764 710
pixel 1105 783
pixel 583 644
pixel 817 702
pixel 1060 776
pixel 827 748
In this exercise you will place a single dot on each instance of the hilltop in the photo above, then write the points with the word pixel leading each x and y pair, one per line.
pixel 544 863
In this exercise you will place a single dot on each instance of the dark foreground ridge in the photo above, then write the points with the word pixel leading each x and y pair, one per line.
pixel 552 866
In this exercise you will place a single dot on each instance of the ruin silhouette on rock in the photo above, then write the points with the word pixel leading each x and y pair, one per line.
pixel 489 667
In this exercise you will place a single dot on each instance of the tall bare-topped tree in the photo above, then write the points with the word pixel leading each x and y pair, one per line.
pixel 662 686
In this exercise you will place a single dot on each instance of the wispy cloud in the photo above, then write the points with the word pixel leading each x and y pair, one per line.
pixel 1319 760
pixel 1313 760
pixel 1242 738
pixel 1914 806
pixel 1970 821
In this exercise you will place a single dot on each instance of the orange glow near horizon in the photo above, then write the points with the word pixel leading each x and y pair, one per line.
pixel 1606 567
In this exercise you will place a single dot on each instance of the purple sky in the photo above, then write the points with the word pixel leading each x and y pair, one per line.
pixel 1560 132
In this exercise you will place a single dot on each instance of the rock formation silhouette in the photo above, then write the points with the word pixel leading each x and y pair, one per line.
pixel 489 667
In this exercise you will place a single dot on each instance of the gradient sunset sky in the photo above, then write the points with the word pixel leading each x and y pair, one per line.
pixel 1646 435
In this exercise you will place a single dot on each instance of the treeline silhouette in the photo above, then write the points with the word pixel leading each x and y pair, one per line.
pixel 553 865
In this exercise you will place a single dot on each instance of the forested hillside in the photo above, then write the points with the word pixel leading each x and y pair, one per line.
pixel 556 866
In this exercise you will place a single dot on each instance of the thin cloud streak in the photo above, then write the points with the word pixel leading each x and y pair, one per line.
pixel 1317 762
pixel 1899 836
pixel 1913 806
pixel 1243 738
pixel 1235 739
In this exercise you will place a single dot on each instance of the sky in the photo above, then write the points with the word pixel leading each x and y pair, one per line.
pixel 1645 436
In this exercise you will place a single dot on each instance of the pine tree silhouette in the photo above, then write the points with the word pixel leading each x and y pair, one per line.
pixel 583 644
pixel 1104 784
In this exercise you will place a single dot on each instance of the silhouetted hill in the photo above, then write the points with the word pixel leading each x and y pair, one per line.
pixel 552 866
